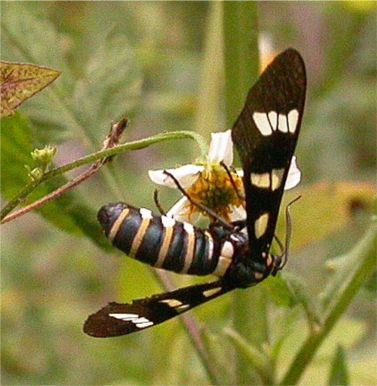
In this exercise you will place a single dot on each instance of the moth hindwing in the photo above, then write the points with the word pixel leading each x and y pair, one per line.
pixel 265 136
pixel 120 319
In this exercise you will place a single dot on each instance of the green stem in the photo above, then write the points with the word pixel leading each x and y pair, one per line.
pixel 363 257
pixel 135 145
pixel 241 71
pixel 208 114
pixel 241 52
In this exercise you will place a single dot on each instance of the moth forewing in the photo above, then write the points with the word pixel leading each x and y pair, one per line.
pixel 265 136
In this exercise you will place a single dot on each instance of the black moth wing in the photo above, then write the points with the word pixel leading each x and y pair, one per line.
pixel 121 319
pixel 265 136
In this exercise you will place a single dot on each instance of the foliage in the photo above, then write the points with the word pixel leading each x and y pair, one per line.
pixel 309 325
pixel 21 81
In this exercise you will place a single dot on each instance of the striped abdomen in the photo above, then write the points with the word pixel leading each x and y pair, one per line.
pixel 165 243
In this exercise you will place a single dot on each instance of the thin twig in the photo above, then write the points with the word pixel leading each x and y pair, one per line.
pixel 55 194
pixel 111 140
pixel 107 153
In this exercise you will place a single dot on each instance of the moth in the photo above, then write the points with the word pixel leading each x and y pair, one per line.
pixel 265 136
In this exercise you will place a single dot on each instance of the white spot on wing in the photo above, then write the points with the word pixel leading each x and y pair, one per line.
pixel 176 304
pixel 182 307
pixel 124 316
pixel 146 214
pixel 172 302
pixel 262 123
pixel 167 222
pixel 282 125
pixel 277 175
pixel 260 225
pixel 143 325
pixel 266 124
pixel 292 120
pixel 261 180
pixel 133 318
pixel 273 117
pixel 140 320
pixel 211 292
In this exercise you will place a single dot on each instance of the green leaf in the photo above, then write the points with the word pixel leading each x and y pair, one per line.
pixel 338 296
pixel 29 38
pixel 288 290
pixel 16 146
pixel 218 355
pixel 110 87
pixel 77 108
pixel 69 212
pixel 280 292
pixel 20 81
pixel 303 297
pixel 339 371
pixel 285 325
pixel 343 277
pixel 254 357
pixel 348 333
pixel 72 108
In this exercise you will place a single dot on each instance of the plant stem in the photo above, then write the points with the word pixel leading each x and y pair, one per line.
pixel 135 145
pixel 241 71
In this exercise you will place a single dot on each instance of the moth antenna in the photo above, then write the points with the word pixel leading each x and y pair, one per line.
pixel 288 221
pixel 280 244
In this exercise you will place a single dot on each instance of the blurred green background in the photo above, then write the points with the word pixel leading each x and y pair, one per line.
pixel 148 60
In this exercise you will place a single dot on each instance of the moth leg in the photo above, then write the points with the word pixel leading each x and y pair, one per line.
pixel 157 203
pixel 228 172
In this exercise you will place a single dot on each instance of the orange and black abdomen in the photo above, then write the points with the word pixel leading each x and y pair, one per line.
pixel 162 242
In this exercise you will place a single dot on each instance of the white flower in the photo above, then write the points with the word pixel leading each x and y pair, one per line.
pixel 209 183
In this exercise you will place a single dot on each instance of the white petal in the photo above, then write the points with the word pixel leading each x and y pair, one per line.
pixel 186 176
pixel 238 213
pixel 179 210
pixel 221 148
pixel 294 175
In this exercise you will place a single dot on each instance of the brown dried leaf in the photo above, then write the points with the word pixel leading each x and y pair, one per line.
pixel 19 81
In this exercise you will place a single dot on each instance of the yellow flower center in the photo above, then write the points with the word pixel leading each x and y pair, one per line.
pixel 215 190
